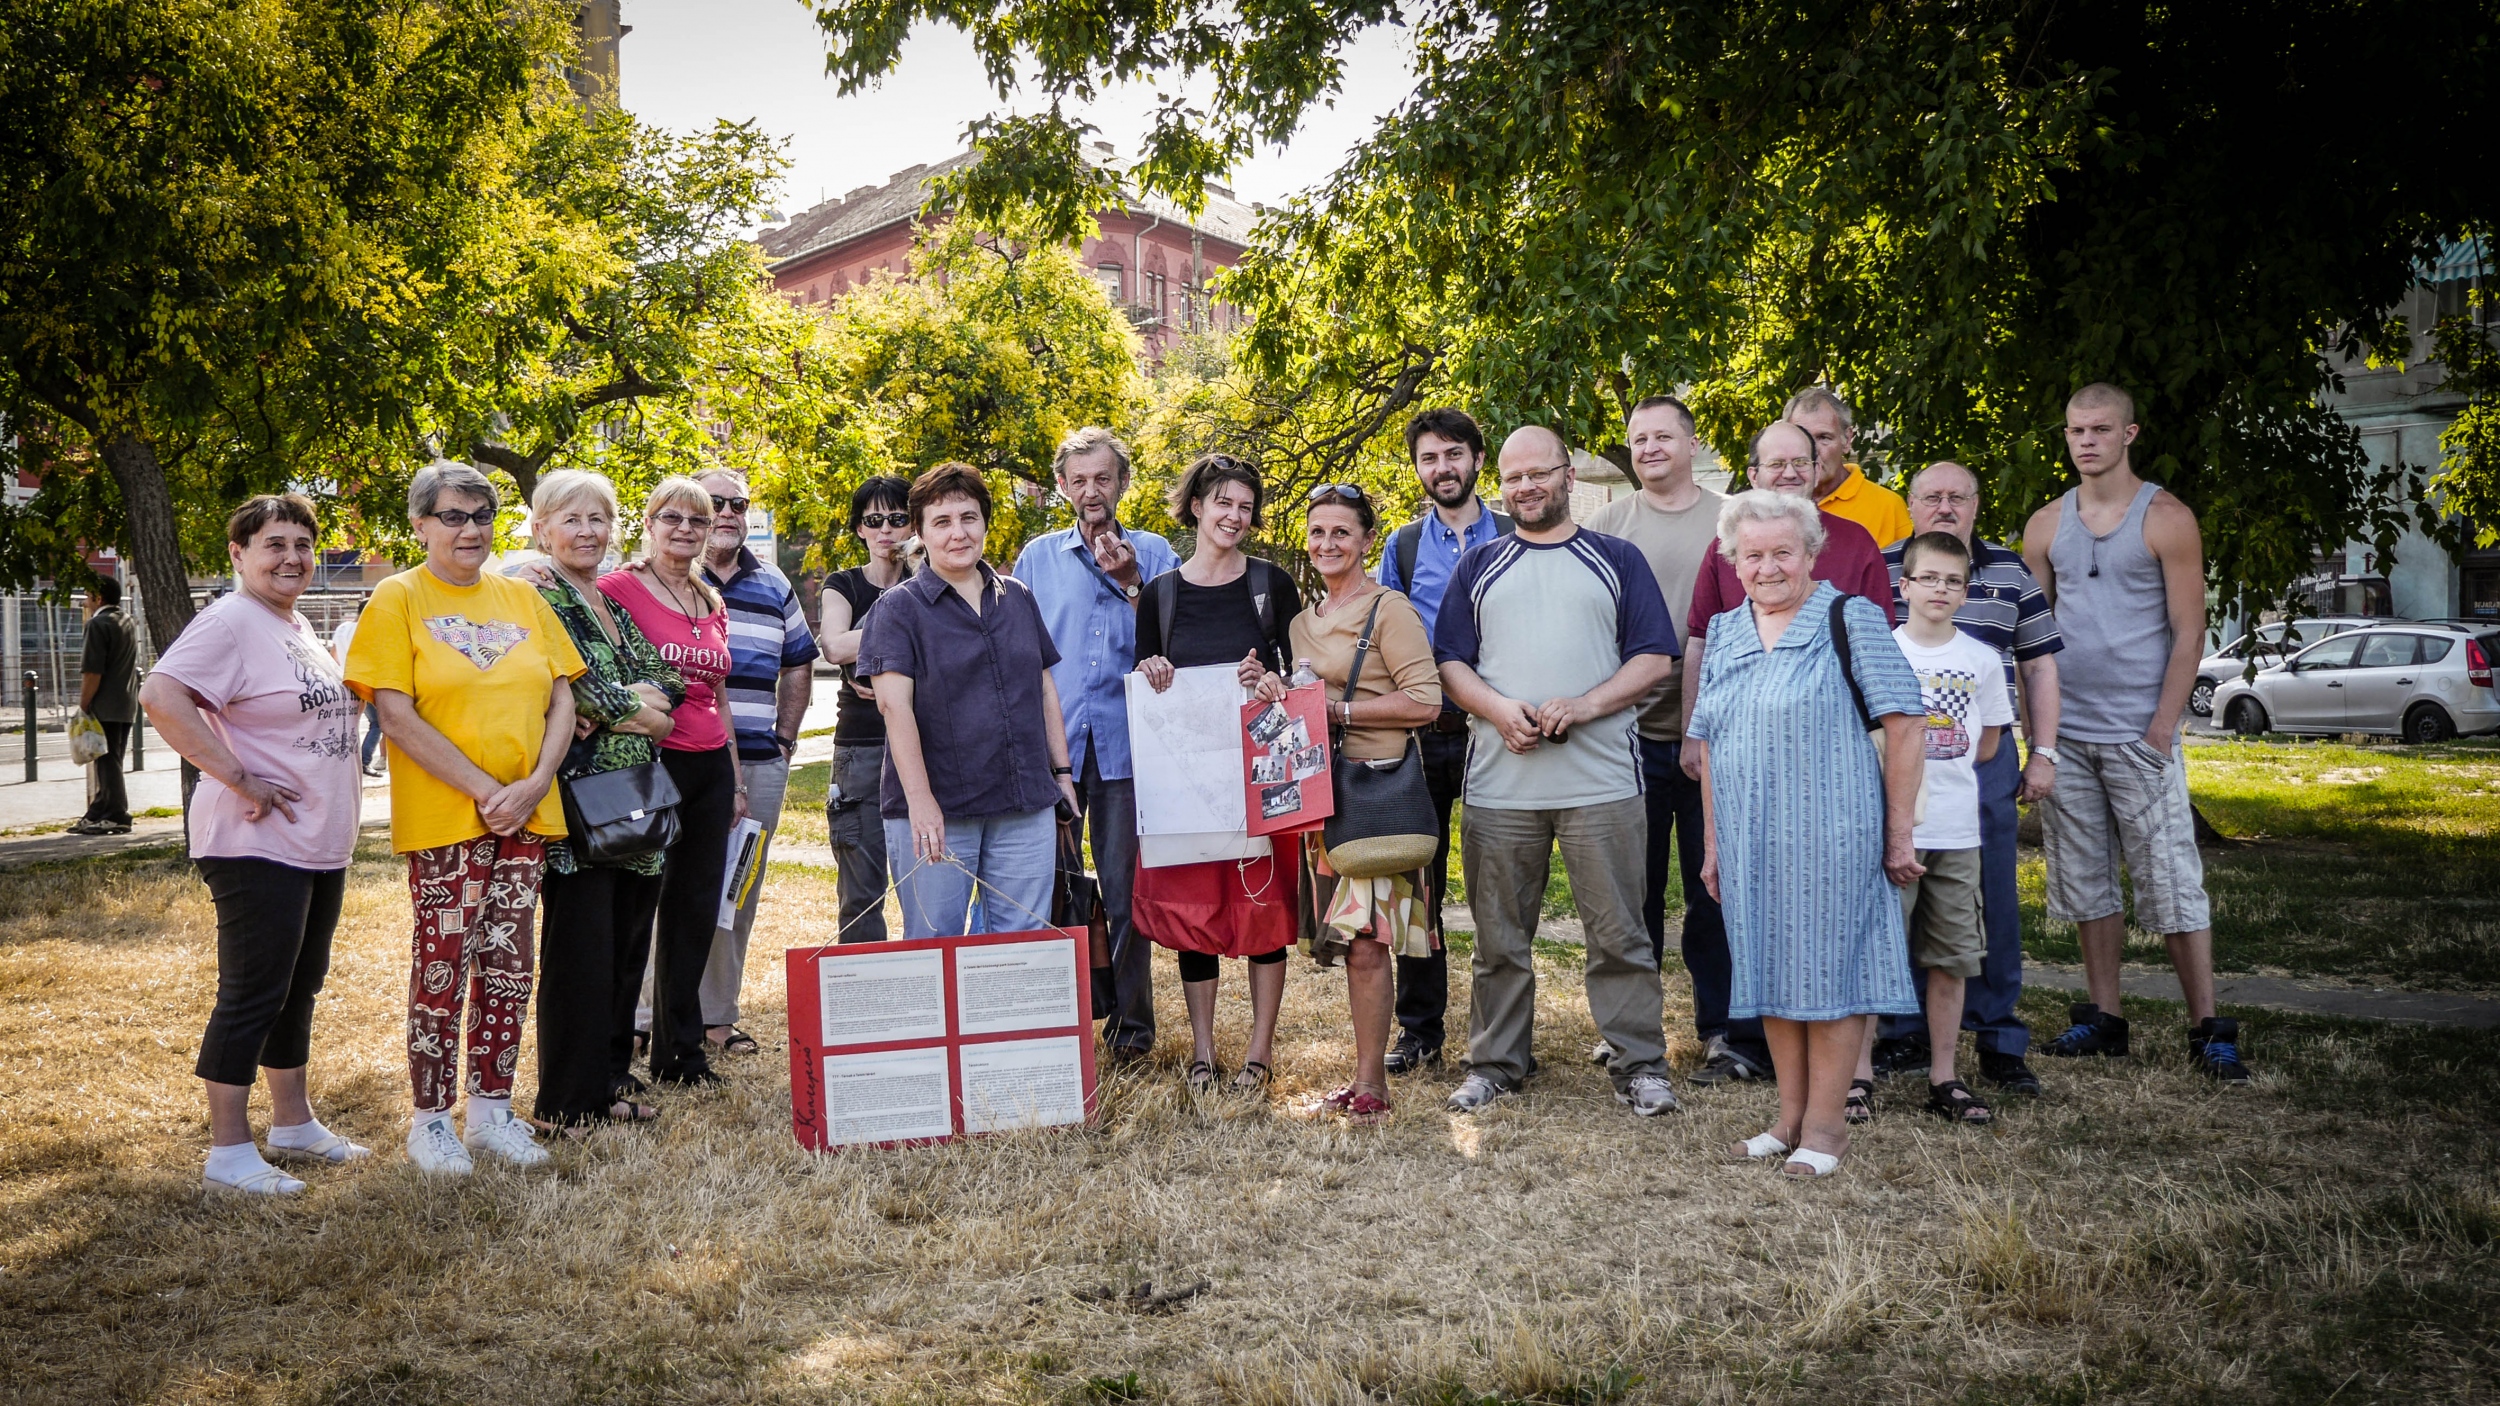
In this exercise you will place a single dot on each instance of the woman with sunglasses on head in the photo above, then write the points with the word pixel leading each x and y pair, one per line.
pixel 1222 607
pixel 882 523
pixel 464 667
pixel 1397 690
pixel 683 616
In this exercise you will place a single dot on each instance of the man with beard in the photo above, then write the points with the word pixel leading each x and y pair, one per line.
pixel 1448 453
pixel 1549 638
pixel 1086 579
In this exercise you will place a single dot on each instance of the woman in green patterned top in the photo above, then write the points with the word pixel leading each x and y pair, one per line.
pixel 597 917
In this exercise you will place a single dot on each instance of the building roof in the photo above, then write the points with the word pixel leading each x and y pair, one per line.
pixel 872 208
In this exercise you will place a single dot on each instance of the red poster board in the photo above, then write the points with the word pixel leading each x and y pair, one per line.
pixel 1284 762
pixel 899 1043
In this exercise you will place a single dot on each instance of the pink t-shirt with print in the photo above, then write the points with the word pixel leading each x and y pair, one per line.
pixel 700 650
pixel 272 693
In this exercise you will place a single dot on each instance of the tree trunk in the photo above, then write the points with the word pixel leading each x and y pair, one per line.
pixel 155 538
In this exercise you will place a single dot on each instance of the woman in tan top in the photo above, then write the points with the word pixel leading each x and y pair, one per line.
pixel 1400 690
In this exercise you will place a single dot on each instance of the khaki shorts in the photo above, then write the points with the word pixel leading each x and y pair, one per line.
pixel 1941 912
pixel 2123 801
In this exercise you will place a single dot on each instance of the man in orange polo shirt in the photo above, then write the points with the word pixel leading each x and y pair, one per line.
pixel 1842 490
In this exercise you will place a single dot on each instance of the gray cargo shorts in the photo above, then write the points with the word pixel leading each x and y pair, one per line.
pixel 2124 802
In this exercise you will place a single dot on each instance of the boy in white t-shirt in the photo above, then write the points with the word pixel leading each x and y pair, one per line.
pixel 1962 683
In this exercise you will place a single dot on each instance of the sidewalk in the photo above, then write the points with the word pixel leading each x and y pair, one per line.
pixel 59 792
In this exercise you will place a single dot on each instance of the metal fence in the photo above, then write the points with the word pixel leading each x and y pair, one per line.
pixel 44 638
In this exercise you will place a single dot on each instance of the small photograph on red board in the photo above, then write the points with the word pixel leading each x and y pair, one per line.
pixel 1284 758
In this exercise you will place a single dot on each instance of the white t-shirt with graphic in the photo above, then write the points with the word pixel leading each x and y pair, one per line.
pixel 1962 684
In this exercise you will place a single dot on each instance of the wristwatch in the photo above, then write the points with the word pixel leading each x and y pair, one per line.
pixel 1130 590
pixel 2048 752
pixel 788 744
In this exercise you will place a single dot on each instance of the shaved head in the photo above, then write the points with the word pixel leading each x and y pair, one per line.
pixel 1533 444
pixel 2102 393
pixel 1535 473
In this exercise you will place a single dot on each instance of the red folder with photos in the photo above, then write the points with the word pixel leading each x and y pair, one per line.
pixel 1284 762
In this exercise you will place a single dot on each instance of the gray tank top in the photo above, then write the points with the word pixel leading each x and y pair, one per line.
pixel 2114 615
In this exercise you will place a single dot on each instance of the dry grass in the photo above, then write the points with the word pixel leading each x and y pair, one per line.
pixel 2138 1236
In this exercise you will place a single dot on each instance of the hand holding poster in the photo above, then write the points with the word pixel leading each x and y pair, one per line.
pixel 1285 762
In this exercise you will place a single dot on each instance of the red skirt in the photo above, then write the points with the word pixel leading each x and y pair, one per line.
pixel 1226 907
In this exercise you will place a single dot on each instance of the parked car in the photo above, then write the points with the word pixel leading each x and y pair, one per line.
pixel 2271 642
pixel 2420 682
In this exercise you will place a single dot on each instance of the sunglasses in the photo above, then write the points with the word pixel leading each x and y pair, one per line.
pixel 873 520
pixel 676 520
pixel 729 505
pixel 1352 493
pixel 455 519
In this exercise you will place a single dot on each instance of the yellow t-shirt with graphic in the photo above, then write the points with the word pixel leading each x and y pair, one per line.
pixel 481 662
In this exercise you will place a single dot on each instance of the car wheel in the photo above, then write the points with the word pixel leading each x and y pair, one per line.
pixel 2201 698
pixel 2247 717
pixel 2428 723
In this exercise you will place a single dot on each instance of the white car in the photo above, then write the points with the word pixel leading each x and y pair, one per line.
pixel 2272 642
pixel 2424 683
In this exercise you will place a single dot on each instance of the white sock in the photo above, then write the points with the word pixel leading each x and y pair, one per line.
pixel 232 1164
pixel 485 1112
pixel 417 1121
pixel 298 1135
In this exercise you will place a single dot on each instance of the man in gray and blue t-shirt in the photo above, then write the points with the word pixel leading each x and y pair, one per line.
pixel 1548 638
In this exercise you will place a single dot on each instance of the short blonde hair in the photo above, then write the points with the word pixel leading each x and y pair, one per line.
pixel 1765 506
pixel 561 490
pixel 689 497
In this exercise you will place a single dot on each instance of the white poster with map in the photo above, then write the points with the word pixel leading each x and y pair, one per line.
pixel 1185 743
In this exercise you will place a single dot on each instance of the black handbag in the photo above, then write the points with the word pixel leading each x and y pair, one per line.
pixel 1385 822
pixel 612 816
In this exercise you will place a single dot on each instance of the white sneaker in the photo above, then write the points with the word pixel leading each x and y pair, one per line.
pixel 1649 1095
pixel 437 1151
pixel 509 1138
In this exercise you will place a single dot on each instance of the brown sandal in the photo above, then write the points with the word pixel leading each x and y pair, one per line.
pixel 1253 1078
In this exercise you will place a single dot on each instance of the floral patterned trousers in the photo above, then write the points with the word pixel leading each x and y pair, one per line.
pixel 473 903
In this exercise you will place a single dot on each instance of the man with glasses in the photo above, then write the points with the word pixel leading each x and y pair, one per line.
pixel 2006 611
pixel 772 658
pixel 1086 578
pixel 1447 450
pixel 1839 487
pixel 1549 638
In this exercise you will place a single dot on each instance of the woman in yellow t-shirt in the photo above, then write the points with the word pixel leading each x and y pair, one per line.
pixel 463 667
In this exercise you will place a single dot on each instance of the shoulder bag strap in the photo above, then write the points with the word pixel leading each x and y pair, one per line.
pixel 1848 660
pixel 1362 649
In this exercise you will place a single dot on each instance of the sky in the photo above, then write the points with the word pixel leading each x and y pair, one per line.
pixel 687 63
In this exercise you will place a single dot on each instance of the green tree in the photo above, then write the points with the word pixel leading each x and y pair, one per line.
pixel 1956 212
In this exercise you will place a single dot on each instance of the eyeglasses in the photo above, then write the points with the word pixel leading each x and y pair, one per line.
pixel 884 520
pixel 455 519
pixel 1937 581
pixel 1532 478
pixel 729 505
pixel 1772 466
pixel 675 521
pixel 1352 493
pixel 1936 500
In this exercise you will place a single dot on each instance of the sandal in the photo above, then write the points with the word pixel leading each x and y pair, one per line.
pixel 1367 1110
pixel 1339 1100
pixel 633 1112
pixel 1805 1162
pixel 738 1042
pixel 1248 1082
pixel 1953 1101
pixel 1762 1145
pixel 1200 1078
pixel 1859 1107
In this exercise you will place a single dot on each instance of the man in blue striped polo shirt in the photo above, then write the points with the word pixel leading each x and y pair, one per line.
pixel 2006 611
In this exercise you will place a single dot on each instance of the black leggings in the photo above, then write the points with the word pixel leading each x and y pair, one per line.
pixel 598 935
pixel 681 942
pixel 1203 966
pixel 274 923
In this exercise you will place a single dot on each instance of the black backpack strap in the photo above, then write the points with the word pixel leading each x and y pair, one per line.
pixel 1402 548
pixel 1166 602
pixel 1848 659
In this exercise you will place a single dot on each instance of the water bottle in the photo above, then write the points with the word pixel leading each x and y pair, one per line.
pixel 1302 674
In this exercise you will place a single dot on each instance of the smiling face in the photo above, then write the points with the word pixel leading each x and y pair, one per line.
pixel 1337 542
pixel 1662 449
pixel 677 532
pixel 1772 561
pixel 276 564
pixel 1536 478
pixel 577 534
pixel 1225 515
pixel 953 531
pixel 1789 461
pixel 1092 483
pixel 458 553
pixel 1446 468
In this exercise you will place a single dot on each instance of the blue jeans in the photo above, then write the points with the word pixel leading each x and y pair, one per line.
pixel 1988 1001
pixel 1675 847
pixel 1015 857
pixel 373 735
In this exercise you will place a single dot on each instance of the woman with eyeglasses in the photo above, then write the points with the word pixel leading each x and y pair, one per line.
pixel 1368 921
pixel 1222 607
pixel 464 667
pixel 680 613
pixel 882 524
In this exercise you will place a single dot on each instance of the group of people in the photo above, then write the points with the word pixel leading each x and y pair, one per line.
pixel 1795 703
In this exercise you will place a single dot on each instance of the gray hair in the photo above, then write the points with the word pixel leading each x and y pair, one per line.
pixel 1088 440
pixel 561 490
pixel 1819 398
pixel 1764 506
pixel 728 473
pixel 448 476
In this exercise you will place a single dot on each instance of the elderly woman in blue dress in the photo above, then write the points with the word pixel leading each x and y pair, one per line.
pixel 1808 829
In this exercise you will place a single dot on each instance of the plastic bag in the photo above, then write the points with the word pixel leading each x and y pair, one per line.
pixel 86 740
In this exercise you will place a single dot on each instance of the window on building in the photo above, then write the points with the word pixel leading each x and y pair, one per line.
pixel 1157 295
pixel 1108 275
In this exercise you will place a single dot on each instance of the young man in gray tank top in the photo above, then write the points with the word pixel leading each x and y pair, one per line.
pixel 2124 566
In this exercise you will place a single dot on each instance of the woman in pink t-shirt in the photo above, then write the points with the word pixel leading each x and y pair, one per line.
pixel 252 697
pixel 683 617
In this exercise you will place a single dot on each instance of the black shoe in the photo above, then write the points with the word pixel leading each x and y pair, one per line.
pixel 1130 1056
pixel 2090 1033
pixel 1721 1065
pixel 700 1077
pixel 2009 1072
pixel 1410 1054
pixel 2214 1046
pixel 1902 1054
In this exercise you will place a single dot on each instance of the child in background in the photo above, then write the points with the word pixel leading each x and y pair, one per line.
pixel 1962 683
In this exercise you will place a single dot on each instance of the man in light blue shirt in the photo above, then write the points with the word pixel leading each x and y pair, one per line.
pixel 1086 579
pixel 1447 450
